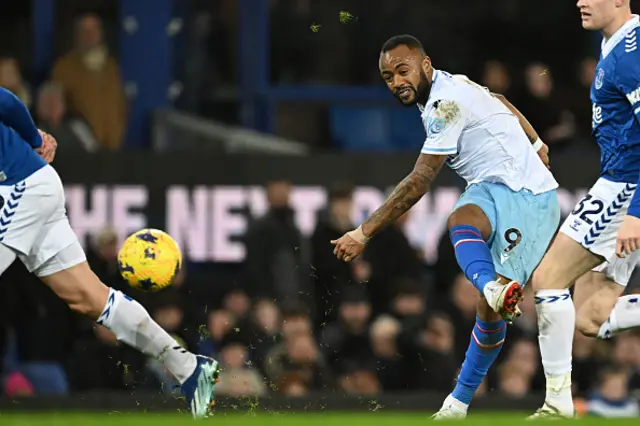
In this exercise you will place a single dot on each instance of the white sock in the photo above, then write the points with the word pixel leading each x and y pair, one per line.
pixel 624 315
pixel 131 324
pixel 556 325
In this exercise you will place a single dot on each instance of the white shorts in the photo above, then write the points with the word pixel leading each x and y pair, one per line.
pixel 34 223
pixel 595 221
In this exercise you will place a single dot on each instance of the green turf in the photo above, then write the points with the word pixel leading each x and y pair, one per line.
pixel 264 419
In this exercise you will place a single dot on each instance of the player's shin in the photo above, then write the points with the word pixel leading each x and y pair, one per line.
pixel 473 255
pixel 556 325
pixel 485 345
pixel 131 324
pixel 625 315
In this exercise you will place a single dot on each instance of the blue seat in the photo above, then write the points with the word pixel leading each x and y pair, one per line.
pixel 377 129
pixel 407 131
pixel 361 129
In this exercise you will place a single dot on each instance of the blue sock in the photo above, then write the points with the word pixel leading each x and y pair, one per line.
pixel 473 255
pixel 486 341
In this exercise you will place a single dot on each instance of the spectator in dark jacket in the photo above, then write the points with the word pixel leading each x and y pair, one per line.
pixel 329 274
pixel 277 264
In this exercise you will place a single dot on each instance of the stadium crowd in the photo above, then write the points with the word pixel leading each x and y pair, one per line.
pixel 296 320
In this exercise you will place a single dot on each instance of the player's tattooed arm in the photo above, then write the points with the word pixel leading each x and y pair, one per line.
pixel 406 194
pixel 524 123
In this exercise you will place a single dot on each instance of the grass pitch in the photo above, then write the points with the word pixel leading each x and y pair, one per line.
pixel 269 419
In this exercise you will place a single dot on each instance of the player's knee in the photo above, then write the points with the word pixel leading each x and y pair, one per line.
pixel 540 279
pixel 470 215
pixel 546 277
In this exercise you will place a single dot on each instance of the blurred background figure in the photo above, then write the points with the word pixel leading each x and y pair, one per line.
pixel 496 78
pixel 12 80
pixel 90 77
pixel 51 116
pixel 611 397
pixel 543 106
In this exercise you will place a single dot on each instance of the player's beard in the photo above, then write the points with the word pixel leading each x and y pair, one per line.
pixel 421 92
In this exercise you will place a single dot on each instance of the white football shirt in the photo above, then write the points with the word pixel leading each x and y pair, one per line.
pixel 483 140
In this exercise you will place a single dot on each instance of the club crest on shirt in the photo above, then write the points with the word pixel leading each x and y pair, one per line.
pixel 444 112
pixel 436 125
pixel 599 78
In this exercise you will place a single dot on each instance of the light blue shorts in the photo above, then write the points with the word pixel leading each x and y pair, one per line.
pixel 522 226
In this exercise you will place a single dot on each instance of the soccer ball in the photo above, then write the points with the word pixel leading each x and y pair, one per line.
pixel 149 260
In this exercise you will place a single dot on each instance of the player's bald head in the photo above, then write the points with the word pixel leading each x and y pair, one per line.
pixel 403 40
pixel 406 69
pixel 401 48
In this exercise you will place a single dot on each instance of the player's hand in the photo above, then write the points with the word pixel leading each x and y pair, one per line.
pixel 49 145
pixel 543 153
pixel 628 236
pixel 347 248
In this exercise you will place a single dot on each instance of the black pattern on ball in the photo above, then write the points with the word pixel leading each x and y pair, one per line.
pixel 147 284
pixel 123 267
pixel 148 237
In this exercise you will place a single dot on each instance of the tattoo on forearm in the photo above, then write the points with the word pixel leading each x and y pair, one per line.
pixel 404 196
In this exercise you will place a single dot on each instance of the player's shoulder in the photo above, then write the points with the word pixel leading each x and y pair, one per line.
pixel 627 52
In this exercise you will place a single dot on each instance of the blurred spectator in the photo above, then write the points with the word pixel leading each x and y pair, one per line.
pixel 408 302
pixel 391 258
pixel 543 108
pixel 496 78
pixel 112 367
pixel 103 255
pixel 389 369
pixel 295 320
pixel 16 385
pixel 581 108
pixel 267 317
pixel 345 342
pixel 513 382
pixel 237 303
pixel 44 329
pixel 464 300
pixel 91 80
pixel 626 355
pixel 220 323
pixel 589 355
pixel 296 364
pixel 237 379
pixel 329 274
pixel 71 133
pixel 277 262
pixel 266 329
pixel 428 354
pixel 298 359
pixel 361 381
pixel 524 355
pixel 11 79
pixel 611 398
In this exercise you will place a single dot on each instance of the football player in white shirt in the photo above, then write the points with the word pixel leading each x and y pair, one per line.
pixel 506 218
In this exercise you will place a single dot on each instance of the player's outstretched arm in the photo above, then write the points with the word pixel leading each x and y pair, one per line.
pixel 404 196
pixel 15 114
